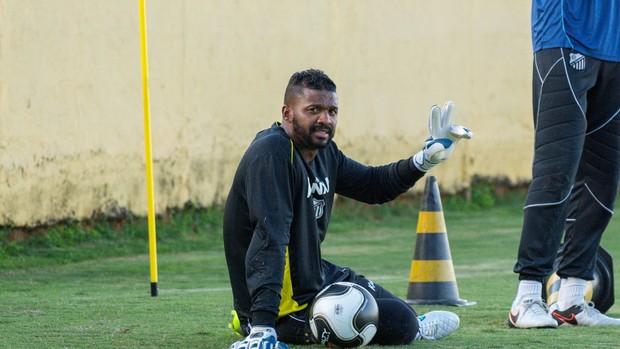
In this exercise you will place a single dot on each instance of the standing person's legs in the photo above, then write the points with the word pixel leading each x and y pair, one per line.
pixel 559 104
pixel 560 128
pixel 596 185
pixel 592 201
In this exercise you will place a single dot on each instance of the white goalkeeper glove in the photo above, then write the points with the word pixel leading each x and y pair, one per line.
pixel 444 136
pixel 260 337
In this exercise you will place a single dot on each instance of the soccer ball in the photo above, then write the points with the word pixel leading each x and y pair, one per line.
pixel 344 314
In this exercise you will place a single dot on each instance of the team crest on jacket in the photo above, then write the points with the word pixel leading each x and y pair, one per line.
pixel 319 207
pixel 321 188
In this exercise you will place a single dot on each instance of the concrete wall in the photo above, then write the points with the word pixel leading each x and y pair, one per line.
pixel 71 113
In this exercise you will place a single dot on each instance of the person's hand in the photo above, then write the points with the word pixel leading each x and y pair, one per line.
pixel 444 136
pixel 260 337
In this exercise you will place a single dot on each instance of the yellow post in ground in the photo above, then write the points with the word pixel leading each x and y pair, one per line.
pixel 148 151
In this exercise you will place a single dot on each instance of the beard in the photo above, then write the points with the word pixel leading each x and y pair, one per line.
pixel 306 135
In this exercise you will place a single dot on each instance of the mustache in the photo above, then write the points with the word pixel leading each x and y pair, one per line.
pixel 321 127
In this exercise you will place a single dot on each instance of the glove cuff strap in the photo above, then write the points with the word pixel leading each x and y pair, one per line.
pixel 421 163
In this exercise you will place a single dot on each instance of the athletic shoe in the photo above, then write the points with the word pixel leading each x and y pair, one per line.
pixel 583 314
pixel 437 324
pixel 531 313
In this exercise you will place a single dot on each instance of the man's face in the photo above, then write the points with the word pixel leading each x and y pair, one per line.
pixel 314 117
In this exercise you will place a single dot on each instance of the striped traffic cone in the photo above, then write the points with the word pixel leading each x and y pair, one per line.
pixel 432 279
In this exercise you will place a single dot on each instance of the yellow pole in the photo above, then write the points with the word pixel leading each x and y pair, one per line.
pixel 148 151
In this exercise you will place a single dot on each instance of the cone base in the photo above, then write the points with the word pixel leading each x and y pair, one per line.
pixel 452 302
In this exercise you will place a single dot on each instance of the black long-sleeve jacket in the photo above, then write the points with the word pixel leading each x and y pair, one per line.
pixel 277 214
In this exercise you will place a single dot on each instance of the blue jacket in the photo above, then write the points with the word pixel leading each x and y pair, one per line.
pixel 590 27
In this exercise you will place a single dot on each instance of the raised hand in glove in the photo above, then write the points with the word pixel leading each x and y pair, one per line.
pixel 260 337
pixel 444 136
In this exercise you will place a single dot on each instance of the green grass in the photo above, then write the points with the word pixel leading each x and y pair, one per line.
pixel 88 286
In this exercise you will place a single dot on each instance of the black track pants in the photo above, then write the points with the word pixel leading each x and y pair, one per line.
pixel 575 171
pixel 398 322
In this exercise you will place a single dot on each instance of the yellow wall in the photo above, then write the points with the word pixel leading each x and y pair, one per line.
pixel 71 131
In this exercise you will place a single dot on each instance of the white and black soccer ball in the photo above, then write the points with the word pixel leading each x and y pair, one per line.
pixel 344 314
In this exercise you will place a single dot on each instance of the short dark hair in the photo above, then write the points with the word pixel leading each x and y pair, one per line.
pixel 311 78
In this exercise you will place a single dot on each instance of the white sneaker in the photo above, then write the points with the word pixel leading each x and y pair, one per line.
pixel 531 313
pixel 437 324
pixel 583 314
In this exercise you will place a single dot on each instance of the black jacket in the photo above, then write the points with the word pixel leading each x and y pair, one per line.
pixel 277 214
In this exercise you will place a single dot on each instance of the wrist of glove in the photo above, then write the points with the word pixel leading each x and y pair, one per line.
pixel 434 152
pixel 260 337
pixel 444 136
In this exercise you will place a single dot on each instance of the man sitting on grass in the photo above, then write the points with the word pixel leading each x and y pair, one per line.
pixel 278 211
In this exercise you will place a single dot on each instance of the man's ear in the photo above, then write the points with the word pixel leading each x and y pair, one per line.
pixel 287 113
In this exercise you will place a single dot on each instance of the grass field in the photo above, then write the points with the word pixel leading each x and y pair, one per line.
pixel 94 292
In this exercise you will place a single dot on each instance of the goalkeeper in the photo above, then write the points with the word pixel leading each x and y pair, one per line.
pixel 278 210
